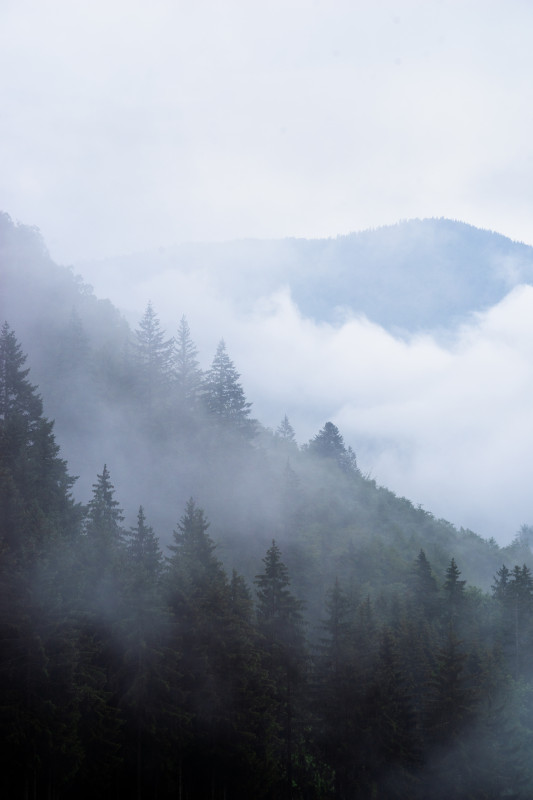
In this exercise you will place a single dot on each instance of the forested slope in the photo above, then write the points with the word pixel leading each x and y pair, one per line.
pixel 270 623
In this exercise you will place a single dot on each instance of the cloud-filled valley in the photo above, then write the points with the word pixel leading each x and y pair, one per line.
pixel 440 415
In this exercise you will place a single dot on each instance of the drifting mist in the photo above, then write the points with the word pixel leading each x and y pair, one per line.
pixel 415 340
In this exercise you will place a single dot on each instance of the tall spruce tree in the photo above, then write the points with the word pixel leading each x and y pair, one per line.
pixel 36 504
pixel 285 431
pixel 188 374
pixel 454 591
pixel 424 587
pixel 38 523
pixel 145 558
pixel 224 395
pixel 279 619
pixel 338 690
pixel 103 548
pixel 154 356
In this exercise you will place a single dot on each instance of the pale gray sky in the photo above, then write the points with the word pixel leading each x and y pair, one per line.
pixel 128 124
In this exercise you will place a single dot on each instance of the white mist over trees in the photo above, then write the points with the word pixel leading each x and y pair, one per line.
pixel 356 649
pixel 399 336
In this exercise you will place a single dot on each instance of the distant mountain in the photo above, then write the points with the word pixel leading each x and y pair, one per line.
pixel 416 275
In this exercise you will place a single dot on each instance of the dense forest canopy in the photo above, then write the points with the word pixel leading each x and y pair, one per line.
pixel 239 616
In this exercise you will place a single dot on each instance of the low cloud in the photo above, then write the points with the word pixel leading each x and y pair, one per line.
pixel 444 421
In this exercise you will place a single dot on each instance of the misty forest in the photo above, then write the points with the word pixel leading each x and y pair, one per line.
pixel 228 614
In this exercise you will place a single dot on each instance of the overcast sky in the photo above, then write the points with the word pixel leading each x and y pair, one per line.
pixel 126 126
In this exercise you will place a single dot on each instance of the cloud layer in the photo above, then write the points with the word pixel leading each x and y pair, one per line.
pixel 446 422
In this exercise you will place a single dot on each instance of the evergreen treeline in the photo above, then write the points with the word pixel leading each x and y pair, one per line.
pixel 129 671
pixel 336 642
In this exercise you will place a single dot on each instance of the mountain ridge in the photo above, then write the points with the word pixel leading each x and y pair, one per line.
pixel 413 276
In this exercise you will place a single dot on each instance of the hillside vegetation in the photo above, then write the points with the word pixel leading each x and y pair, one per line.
pixel 271 623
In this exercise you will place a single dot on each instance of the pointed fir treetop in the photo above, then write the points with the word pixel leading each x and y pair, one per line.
pixel 274 597
pixel 454 589
pixel 521 585
pixel 224 395
pixel 36 505
pixel 285 431
pixel 425 582
pixel 329 443
pixel 104 517
pixel 154 352
pixel 189 376
pixel 17 395
pixel 143 548
pixel 500 587
pixel 193 549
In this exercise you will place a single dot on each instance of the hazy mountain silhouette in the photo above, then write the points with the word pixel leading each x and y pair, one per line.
pixel 418 274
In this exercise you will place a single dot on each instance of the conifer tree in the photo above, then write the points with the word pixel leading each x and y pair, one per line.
pixel 520 618
pixel 285 431
pixel 144 554
pixel 187 369
pixel 500 587
pixel 224 395
pixel 104 517
pixel 279 620
pixel 36 504
pixel 154 360
pixel 329 444
pixel 38 523
pixel 425 588
pixel 454 591
pixel 338 689
pixel 143 677
pixel 197 592
pixel 103 548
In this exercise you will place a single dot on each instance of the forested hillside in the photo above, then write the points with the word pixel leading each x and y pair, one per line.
pixel 227 613
pixel 417 275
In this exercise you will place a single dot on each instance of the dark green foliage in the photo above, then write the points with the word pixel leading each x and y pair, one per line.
pixel 145 559
pixel 128 675
pixel 454 592
pixel 36 506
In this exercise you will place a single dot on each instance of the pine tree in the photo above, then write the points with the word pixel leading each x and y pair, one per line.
pixel 101 559
pixel 36 505
pixel 338 690
pixel 329 444
pixel 500 587
pixel 520 618
pixel 425 590
pixel 285 431
pixel 197 593
pixel 454 591
pixel 104 517
pixel 144 554
pixel 154 361
pixel 389 712
pixel 18 398
pixel 187 369
pixel 279 620
pixel 223 393
pixel 193 567
pixel 38 523
pixel 143 676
